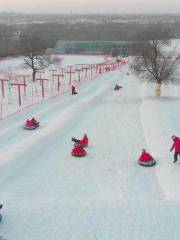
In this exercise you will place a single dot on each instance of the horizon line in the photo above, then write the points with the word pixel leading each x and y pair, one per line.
pixel 88 13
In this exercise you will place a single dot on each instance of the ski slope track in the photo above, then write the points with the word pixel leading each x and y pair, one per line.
pixel 48 194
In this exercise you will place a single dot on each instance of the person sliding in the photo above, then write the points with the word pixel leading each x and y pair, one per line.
pixel 146 159
pixel 31 124
pixel 176 147
pixel 34 122
pixel 81 143
pixel 117 87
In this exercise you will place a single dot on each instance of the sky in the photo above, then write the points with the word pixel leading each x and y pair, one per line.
pixel 91 6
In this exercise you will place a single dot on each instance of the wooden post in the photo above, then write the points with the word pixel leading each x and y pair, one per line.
pixel 79 70
pixel 19 90
pixel 42 84
pixel 1 108
pixel 40 72
pixel 70 72
pixel 2 85
pixel 58 78
pixel 100 68
pixel 86 68
pixel 24 81
pixel 91 69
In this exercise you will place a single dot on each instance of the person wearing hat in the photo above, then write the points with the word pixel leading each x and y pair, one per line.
pixel 176 147
pixel 145 157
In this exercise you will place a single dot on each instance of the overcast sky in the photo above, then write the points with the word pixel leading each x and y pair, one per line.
pixel 91 6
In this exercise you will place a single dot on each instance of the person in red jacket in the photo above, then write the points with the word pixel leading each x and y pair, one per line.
pixel 83 142
pixel 28 123
pixel 73 90
pixel 145 157
pixel 176 147
pixel 34 122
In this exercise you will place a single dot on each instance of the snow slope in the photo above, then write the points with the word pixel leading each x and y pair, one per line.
pixel 158 130
pixel 48 194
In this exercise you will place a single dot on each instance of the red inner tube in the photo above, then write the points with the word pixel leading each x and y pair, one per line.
pixel 82 154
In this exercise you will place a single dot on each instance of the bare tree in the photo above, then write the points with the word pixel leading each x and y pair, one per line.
pixel 33 48
pixel 156 60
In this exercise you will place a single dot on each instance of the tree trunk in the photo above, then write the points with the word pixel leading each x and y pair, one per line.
pixel 158 89
pixel 34 75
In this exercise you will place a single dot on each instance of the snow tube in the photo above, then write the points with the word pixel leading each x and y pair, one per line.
pixel 81 153
pixel 147 164
pixel 31 127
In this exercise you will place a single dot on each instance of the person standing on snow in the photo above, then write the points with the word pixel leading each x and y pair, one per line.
pixel 73 90
pixel 176 147
pixel 0 214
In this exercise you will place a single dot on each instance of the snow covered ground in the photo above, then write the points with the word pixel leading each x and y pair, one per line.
pixel 18 63
pixel 161 120
pixel 14 71
pixel 48 194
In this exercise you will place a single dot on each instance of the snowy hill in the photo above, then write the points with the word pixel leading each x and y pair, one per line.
pixel 48 194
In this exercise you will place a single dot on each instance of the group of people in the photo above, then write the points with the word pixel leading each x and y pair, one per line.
pixel 146 159
pixel 79 145
pixel 31 123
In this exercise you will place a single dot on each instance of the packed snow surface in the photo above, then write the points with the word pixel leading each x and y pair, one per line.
pixel 48 194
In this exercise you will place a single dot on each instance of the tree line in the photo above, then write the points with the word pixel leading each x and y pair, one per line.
pixel 50 32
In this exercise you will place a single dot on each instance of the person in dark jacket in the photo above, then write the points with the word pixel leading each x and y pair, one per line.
pixel 0 214
pixel 117 87
pixel 176 147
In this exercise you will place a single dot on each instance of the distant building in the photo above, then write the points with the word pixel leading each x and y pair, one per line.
pixel 92 47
